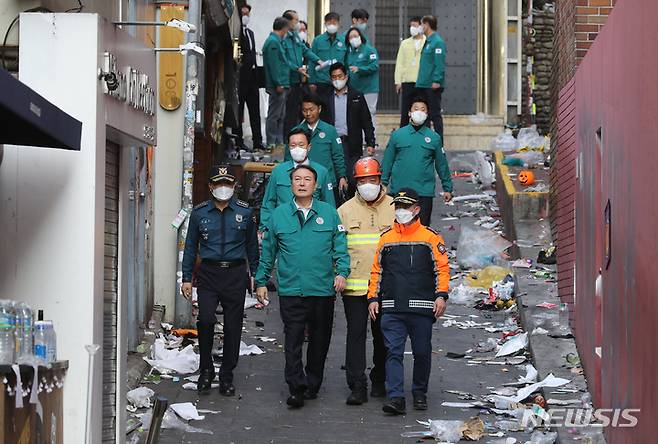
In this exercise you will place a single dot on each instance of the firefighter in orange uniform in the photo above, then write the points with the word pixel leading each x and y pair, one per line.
pixel 410 278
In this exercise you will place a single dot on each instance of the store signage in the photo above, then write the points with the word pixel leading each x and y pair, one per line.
pixel 128 84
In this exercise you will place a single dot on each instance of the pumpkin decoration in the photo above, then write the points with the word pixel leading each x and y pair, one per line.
pixel 526 178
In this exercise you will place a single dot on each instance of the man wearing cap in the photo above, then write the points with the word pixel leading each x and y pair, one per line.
pixel 279 190
pixel 308 240
pixel 222 231
pixel 365 217
pixel 412 155
pixel 409 280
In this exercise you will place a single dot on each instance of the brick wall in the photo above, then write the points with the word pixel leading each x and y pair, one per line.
pixel 591 15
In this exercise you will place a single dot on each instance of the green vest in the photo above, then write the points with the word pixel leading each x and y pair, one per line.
pixel 310 253
pixel 279 191
pixel 410 159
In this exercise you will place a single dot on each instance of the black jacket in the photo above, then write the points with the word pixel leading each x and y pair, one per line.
pixel 359 121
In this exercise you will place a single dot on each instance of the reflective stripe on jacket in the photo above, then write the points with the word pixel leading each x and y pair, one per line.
pixel 410 270
pixel 364 225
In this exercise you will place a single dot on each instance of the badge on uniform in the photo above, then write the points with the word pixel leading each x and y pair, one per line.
pixel 319 221
pixel 341 228
pixel 373 56
pixel 339 140
pixel 428 140
pixel 330 186
pixel 340 44
pixel 238 218
pixel 442 249
pixel 360 56
pixel 322 135
pixel 438 50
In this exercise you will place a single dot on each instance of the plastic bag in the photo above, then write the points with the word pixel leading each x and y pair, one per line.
pixel 463 162
pixel 463 295
pixel 529 138
pixel 486 277
pixel 480 248
pixel 529 158
pixel 447 431
pixel 538 437
pixel 140 397
pixel 503 142
pixel 486 170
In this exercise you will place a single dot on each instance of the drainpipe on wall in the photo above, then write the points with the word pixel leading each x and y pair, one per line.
pixel 183 316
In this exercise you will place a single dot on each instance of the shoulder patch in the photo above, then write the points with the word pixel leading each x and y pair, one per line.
pixel 241 203
pixel 339 140
pixel 442 248
pixel 385 231
pixel 438 51
pixel 432 230
pixel 373 56
pixel 341 227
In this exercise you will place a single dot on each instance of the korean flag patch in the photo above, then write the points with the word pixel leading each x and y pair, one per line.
pixel 438 51
pixel 339 140
pixel 341 228
pixel 442 249
pixel 330 186
pixel 373 56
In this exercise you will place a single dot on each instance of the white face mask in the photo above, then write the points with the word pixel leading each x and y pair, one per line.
pixel 403 216
pixel 302 35
pixel 413 31
pixel 362 26
pixel 418 117
pixel 369 191
pixel 223 193
pixel 332 29
pixel 355 42
pixel 339 83
pixel 245 20
pixel 298 26
pixel 298 154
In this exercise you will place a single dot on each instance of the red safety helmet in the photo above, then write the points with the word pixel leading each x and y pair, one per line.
pixel 367 166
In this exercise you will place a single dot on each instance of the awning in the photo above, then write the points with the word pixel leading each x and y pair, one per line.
pixel 26 118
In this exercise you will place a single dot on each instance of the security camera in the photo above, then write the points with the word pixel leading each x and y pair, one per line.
pixel 181 25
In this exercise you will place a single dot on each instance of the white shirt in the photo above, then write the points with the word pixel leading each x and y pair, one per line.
pixel 304 211
pixel 312 127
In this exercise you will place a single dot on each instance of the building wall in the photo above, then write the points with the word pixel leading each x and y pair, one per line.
pixel 616 319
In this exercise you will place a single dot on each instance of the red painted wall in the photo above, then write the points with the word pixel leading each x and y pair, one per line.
pixel 617 90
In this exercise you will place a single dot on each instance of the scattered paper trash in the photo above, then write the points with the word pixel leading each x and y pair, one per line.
pixel 186 410
pixel 193 385
pixel 548 305
pixel 539 331
pixel 512 346
pixel 522 263
pixel 167 361
pixel 140 397
pixel 530 374
pixel 250 302
pixel 538 437
pixel 247 350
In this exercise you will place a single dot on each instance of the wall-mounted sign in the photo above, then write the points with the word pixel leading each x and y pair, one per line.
pixel 129 85
pixel 171 63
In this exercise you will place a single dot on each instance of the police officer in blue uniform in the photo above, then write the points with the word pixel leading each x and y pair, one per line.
pixel 223 233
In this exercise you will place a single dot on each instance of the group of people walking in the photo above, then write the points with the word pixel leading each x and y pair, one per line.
pixel 376 250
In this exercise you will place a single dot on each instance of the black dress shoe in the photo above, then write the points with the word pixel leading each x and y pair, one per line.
pixel 310 394
pixel 296 400
pixel 420 401
pixel 226 388
pixel 358 396
pixel 204 383
pixel 378 390
pixel 395 406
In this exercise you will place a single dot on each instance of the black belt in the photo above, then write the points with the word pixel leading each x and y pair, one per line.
pixel 223 264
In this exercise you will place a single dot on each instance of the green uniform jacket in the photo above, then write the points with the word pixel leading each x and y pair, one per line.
pixel 410 159
pixel 366 79
pixel 326 149
pixel 432 68
pixel 279 189
pixel 277 69
pixel 296 51
pixel 327 49
pixel 309 254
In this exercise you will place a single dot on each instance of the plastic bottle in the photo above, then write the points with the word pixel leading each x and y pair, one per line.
pixel 7 333
pixel 51 351
pixel 24 327
pixel 41 340
pixel 564 316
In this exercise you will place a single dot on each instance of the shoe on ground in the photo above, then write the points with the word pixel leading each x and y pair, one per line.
pixel 395 406
pixel 296 400
pixel 357 397
pixel 378 390
pixel 310 394
pixel 226 388
pixel 420 401
pixel 204 384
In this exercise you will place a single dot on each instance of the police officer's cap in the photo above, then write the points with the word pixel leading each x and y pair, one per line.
pixel 406 196
pixel 222 173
